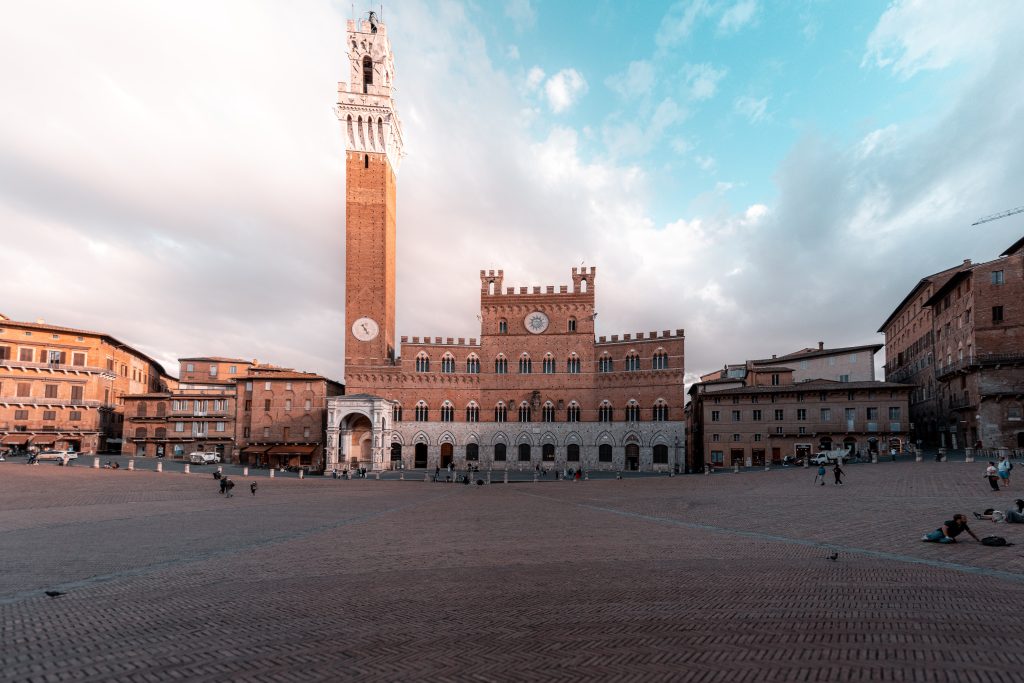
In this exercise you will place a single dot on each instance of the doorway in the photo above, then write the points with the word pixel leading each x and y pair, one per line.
pixel 757 457
pixel 396 456
pixel 632 457
pixel 776 455
pixel 447 455
pixel 420 461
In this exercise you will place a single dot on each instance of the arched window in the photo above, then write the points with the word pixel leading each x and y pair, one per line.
pixel 660 456
pixel 472 452
pixel 448 363
pixel 549 364
pixel 660 360
pixel 501 365
pixel 472 412
pixel 524 412
pixel 632 411
pixel 447 412
pixel 500 412
pixel 571 327
pixel 604 363
pixel 524 452
pixel 604 452
pixel 473 364
pixel 161 432
pixel 660 411
pixel 605 412
pixel 502 326
pixel 141 409
pixel 572 365
pixel 422 362
pixel 548 415
pixel 422 412
pixel 525 364
pixel 396 413
pixel 547 452
pixel 140 433
pixel 367 72
pixel 632 362
pixel 572 413
pixel 572 453
pixel 499 452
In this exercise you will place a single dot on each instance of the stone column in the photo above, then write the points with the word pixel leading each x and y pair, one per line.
pixel 331 452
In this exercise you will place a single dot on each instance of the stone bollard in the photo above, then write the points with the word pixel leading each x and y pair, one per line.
pixel 378 475
pixel 159 467
pixel 426 477
pixel 767 466
pixel 874 458
pixel 918 456
pixel 736 468
pixel 95 463
pixel 131 465
pixel 188 468
pixel 707 470
pixel 245 471
pixel 506 476
pixel 535 478
pixel 968 455
pixel 942 455
pixel 488 477
pixel 302 473
pixel 271 474
pixel 586 475
pixel 401 476
pixel 807 462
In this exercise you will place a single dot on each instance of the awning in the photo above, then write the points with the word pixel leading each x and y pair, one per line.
pixel 291 450
pixel 39 440
pixel 15 438
pixel 255 450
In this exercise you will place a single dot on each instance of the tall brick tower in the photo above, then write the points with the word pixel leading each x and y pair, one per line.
pixel 373 149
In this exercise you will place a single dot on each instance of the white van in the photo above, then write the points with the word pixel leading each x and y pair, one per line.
pixel 201 458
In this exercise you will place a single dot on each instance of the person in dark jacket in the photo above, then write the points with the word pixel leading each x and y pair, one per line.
pixel 949 530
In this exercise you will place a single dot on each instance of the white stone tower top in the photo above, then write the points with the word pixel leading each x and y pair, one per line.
pixel 366 107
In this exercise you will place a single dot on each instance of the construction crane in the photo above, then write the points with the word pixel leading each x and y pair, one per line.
pixel 997 216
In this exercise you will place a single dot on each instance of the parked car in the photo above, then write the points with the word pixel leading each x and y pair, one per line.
pixel 829 457
pixel 54 454
pixel 201 458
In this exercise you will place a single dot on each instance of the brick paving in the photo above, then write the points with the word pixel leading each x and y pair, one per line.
pixel 690 578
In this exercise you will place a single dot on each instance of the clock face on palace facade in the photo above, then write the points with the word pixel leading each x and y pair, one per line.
pixel 365 329
pixel 536 322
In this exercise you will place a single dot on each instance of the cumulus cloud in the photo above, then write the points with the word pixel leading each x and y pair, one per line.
pixel 756 110
pixel 564 89
pixel 679 22
pixel 702 80
pixel 635 81
pixel 522 14
pixel 737 16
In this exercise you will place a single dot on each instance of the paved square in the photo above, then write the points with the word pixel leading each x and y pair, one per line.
pixel 690 578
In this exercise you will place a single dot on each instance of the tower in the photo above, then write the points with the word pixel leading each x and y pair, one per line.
pixel 373 149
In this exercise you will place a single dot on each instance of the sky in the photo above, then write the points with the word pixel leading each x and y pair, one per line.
pixel 762 175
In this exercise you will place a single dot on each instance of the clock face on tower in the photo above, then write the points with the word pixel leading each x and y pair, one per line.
pixel 365 329
pixel 536 322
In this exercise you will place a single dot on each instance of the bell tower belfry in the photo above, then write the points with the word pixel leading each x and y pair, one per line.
pixel 373 150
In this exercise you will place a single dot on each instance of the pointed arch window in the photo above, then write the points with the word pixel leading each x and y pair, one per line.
pixel 500 412
pixel 604 453
pixel 396 413
pixel 549 364
pixel 605 412
pixel 500 452
pixel 632 411
pixel 367 73
pixel 422 362
pixel 472 412
pixel 572 413
pixel 572 453
pixel 659 361
pixel 447 412
pixel 422 412
pixel 473 364
pixel 501 365
pixel 660 456
pixel 605 363
pixel 525 364
pixel 660 411
pixel 524 412
pixel 547 452
pixel 572 365
pixel 548 413
pixel 502 326
pixel 447 363
pixel 632 362
pixel 472 452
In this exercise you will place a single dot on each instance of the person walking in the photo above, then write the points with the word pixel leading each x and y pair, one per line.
pixel 228 486
pixel 949 530
pixel 252 488
pixel 992 474
pixel 1004 468
pixel 838 473
pixel 223 484
pixel 820 475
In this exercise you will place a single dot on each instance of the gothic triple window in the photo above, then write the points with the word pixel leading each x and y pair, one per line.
pixel 572 413
pixel 501 365
pixel 549 364
pixel 472 412
pixel 632 362
pixel 660 411
pixel 659 361
pixel 632 411
pixel 447 363
pixel 524 412
pixel 422 362
pixel 447 412
pixel 605 412
pixel 548 414
pixel 473 364
pixel 422 412
pixel 573 364
pixel 525 364
pixel 500 412
pixel 605 363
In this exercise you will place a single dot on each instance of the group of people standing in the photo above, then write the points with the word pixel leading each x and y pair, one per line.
pixel 999 473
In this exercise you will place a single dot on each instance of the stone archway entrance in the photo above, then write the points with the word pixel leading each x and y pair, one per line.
pixel 420 460
pixel 358 432
pixel 396 456
pixel 632 457
pixel 447 455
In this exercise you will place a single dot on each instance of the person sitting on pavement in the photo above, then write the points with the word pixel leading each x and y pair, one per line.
pixel 949 530
pixel 1011 516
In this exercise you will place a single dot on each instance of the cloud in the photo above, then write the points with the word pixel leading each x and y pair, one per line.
pixel 756 110
pixel 522 14
pixel 564 89
pixel 702 80
pixel 635 81
pixel 512 52
pixel 679 21
pixel 916 35
pixel 737 16
pixel 705 163
pixel 534 78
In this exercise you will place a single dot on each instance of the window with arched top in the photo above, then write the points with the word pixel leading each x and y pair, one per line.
pixel 473 364
pixel 502 326
pixel 605 412
pixel 604 452
pixel 524 452
pixel 605 363
pixel 660 360
pixel 472 452
pixel 659 413
pixel 547 452
pixel 140 432
pixel 472 412
pixel 525 364
pixel 660 456
pixel 500 412
pixel 572 413
pixel 524 412
pixel 548 413
pixel 161 432
pixel 396 413
pixel 572 365
pixel 632 411
pixel 422 362
pixel 632 361
pixel 367 72
pixel 447 412
pixel 447 363
pixel 422 412
pixel 499 452
pixel 572 452
pixel 549 364
pixel 501 365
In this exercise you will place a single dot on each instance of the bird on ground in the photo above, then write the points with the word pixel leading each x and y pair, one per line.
pixel 834 556
pixel 54 594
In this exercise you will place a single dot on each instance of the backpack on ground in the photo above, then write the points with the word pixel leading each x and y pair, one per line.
pixel 994 541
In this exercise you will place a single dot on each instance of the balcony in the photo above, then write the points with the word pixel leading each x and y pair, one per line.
pixel 48 402
pixel 974 362
pixel 56 368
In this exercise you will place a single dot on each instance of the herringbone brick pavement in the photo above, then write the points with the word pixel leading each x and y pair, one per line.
pixel 721 578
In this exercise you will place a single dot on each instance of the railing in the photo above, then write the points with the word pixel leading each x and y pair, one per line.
pixel 978 360
pixel 32 401
pixel 12 363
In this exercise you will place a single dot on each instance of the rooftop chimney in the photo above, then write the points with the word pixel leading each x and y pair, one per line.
pixel 821 346
pixel 967 261
pixel 774 356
